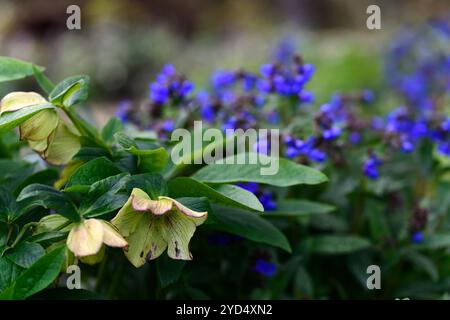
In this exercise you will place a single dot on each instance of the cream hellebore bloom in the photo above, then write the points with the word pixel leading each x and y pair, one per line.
pixel 87 237
pixel 55 140
pixel 151 226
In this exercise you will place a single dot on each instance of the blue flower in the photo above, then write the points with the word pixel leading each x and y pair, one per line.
pixel 417 237
pixel 123 111
pixel 266 199
pixel 371 165
pixel 265 268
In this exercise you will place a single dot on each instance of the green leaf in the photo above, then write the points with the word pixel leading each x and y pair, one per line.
pixel 9 272
pixel 228 195
pixel 124 141
pixel 435 241
pixel 150 160
pixel 91 172
pixel 36 278
pixel 426 264
pixel 25 254
pixel 113 126
pixel 299 208
pixel 8 205
pixel 13 69
pixel 47 176
pixel 249 225
pixel 151 183
pixel 42 80
pixel 103 196
pixel 289 173
pixel 10 120
pixel 70 91
pixel 336 244
pixel 169 270
pixel 45 196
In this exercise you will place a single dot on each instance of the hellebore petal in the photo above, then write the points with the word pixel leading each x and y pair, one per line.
pixel 18 100
pixel 53 222
pixel 112 237
pixel 86 238
pixel 62 145
pixel 144 203
pixel 39 126
pixel 94 259
pixel 151 226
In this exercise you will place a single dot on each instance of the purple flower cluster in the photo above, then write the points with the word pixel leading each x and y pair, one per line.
pixel 169 85
pixel 309 149
pixel 287 80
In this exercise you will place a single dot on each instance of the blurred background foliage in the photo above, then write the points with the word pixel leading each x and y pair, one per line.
pixel 123 43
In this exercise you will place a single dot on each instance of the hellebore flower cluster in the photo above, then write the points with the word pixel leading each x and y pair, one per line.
pixel 150 226
pixel 54 139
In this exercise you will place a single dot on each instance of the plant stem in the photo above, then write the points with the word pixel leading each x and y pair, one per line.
pixel 83 128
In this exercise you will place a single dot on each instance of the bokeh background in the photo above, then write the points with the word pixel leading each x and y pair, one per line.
pixel 123 43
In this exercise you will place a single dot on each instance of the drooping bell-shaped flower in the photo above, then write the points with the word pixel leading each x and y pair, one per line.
pixel 151 226
pixel 86 239
pixel 55 140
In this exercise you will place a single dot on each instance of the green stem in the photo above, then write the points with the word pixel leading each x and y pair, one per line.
pixel 22 232
pixel 84 129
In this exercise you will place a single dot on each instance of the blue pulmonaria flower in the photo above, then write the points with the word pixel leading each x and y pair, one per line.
pixel 306 96
pixel 417 237
pixel 267 70
pixel 332 133
pixel 316 155
pixel 124 110
pixel 265 268
pixel 444 148
pixel 266 199
pixel 371 165
pixel 355 137
pixel 159 93
pixel 261 146
pixel 168 125
pixel 169 84
pixel 367 96
pixel 223 79
pixel 249 186
pixel 407 146
pixel 307 70
pixel 249 81
pixel 445 125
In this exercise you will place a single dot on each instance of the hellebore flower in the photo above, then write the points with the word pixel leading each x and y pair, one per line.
pixel 55 140
pixel 86 239
pixel 151 226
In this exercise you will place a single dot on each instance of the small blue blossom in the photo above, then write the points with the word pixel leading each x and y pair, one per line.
pixel 265 268
pixel 371 165
pixel 417 237
pixel 124 110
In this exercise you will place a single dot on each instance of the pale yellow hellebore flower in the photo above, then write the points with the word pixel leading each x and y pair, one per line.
pixel 55 140
pixel 151 226
pixel 87 238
